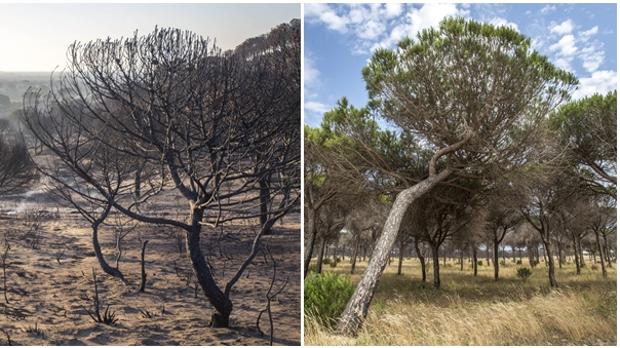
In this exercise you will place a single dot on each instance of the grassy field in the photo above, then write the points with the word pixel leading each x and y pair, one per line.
pixel 470 310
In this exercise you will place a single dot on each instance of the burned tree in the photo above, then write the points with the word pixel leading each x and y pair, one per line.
pixel 16 167
pixel 197 117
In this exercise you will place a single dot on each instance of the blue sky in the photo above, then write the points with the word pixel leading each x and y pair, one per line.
pixel 34 37
pixel 339 39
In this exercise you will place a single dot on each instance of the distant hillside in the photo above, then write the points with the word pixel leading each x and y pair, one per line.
pixel 14 84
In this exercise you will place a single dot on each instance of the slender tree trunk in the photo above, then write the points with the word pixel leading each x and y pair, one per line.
pixel 552 282
pixel 310 251
pixel 357 307
pixel 418 252
pixel 600 250
pixel 436 280
pixel 336 251
pixel 461 259
pixel 560 254
pixel 576 250
pixel 114 272
pixel 582 262
pixel 496 259
pixel 474 260
pixel 354 258
pixel 264 202
pixel 445 253
pixel 202 271
pixel 606 250
pixel 142 267
pixel 401 253
pixel 487 252
pixel 319 259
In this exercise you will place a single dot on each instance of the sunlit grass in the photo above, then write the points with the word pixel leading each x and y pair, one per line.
pixel 481 311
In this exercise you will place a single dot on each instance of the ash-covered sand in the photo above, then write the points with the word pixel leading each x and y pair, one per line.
pixel 53 295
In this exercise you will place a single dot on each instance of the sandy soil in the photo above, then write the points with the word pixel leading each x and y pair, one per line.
pixel 50 287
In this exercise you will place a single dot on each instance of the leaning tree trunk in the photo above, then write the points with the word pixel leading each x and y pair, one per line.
pixel 496 259
pixel 357 308
pixel 401 253
pixel 602 257
pixel 551 265
pixel 436 280
pixel 312 229
pixel 319 259
pixel 202 271
pixel 114 272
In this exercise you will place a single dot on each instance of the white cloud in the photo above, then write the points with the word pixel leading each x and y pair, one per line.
pixel 548 9
pixel 393 10
pixel 589 32
pixel 371 29
pixel 417 19
pixel 566 46
pixel 316 107
pixel 311 73
pixel 592 56
pixel 326 15
pixel 564 63
pixel 599 82
pixel 498 21
pixel 382 25
pixel 565 27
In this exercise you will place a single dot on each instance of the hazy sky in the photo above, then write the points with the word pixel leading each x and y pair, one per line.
pixel 34 37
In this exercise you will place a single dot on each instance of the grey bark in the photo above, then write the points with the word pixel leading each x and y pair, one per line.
pixel 601 253
pixel 357 308
pixel 310 251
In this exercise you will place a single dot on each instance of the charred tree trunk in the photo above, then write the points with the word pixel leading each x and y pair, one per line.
pixel 202 271
pixel 264 202
pixel 357 307
pixel 142 267
pixel 114 272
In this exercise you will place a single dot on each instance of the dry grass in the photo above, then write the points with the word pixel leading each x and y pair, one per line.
pixel 480 311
